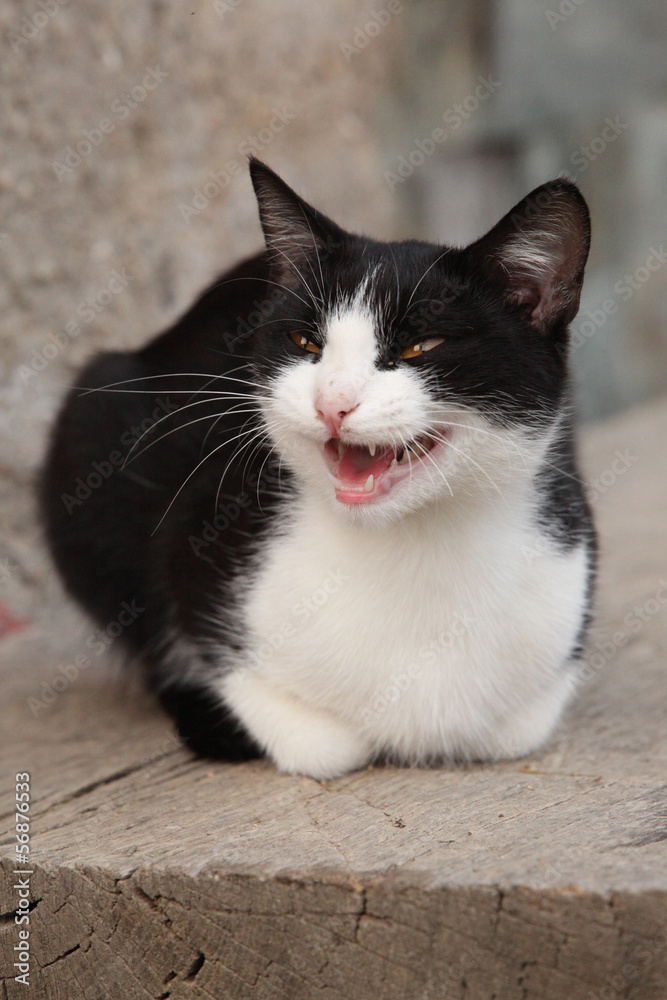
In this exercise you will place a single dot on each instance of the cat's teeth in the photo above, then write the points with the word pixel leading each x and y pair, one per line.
pixel 341 450
pixel 368 485
pixel 371 449
pixel 405 458
pixel 394 463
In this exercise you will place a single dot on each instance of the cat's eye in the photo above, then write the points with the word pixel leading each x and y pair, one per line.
pixel 420 347
pixel 303 342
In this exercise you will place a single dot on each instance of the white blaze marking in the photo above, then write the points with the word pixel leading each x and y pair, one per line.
pixel 349 354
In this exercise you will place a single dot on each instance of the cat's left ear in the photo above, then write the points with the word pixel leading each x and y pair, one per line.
pixel 536 255
pixel 297 235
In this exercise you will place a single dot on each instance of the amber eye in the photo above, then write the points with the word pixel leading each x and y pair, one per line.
pixel 420 347
pixel 303 342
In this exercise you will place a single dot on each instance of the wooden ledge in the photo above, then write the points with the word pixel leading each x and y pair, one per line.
pixel 156 875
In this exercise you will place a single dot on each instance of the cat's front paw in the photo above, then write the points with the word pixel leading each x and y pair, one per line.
pixel 320 747
pixel 298 738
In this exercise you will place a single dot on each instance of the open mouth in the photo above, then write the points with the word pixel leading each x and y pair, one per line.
pixel 366 473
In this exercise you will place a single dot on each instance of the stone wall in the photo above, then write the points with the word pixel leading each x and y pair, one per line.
pixel 124 188
pixel 573 87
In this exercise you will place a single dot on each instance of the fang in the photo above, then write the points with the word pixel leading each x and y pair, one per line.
pixel 368 486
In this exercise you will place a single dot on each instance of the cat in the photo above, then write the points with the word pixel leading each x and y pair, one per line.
pixel 339 500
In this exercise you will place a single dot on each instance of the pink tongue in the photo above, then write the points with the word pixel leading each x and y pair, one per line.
pixel 357 464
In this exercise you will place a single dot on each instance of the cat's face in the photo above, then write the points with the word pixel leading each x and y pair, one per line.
pixel 398 374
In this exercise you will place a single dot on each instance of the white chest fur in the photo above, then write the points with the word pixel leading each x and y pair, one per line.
pixel 444 635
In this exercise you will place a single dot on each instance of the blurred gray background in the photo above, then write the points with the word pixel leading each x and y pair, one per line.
pixel 124 190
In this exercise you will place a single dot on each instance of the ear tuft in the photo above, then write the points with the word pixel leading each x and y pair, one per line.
pixel 296 234
pixel 537 253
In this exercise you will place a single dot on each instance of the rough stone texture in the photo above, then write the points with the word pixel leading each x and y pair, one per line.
pixel 238 79
pixel 156 875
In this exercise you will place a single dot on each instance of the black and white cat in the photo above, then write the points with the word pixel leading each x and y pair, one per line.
pixel 340 494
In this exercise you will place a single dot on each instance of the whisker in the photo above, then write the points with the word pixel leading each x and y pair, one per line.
pixel 266 281
pixel 185 482
pixel 221 394
pixel 245 444
pixel 435 465
pixel 232 410
pixel 320 285
pixel 260 433
pixel 477 465
pixel 422 278
pixel 179 410
pixel 86 390
pixel 291 263
pixel 181 427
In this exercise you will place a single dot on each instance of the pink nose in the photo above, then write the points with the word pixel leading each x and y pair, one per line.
pixel 332 414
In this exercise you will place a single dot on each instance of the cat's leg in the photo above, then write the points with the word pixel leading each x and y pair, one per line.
pixel 300 739
pixel 206 725
pixel 531 724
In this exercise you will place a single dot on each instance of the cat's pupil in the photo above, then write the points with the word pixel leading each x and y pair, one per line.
pixel 420 347
pixel 303 342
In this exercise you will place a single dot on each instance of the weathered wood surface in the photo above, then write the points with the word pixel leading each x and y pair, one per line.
pixel 156 875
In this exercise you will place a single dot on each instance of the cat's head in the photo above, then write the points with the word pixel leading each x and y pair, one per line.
pixel 401 374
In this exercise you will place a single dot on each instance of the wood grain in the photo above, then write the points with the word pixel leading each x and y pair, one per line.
pixel 156 875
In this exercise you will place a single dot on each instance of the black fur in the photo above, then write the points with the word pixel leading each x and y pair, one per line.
pixel 168 531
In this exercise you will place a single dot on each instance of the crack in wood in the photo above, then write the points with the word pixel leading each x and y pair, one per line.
pixel 195 968
pixel 59 958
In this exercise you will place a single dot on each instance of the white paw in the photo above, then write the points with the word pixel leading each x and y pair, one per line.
pixel 299 739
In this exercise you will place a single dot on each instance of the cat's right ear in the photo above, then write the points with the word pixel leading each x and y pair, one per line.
pixel 297 235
